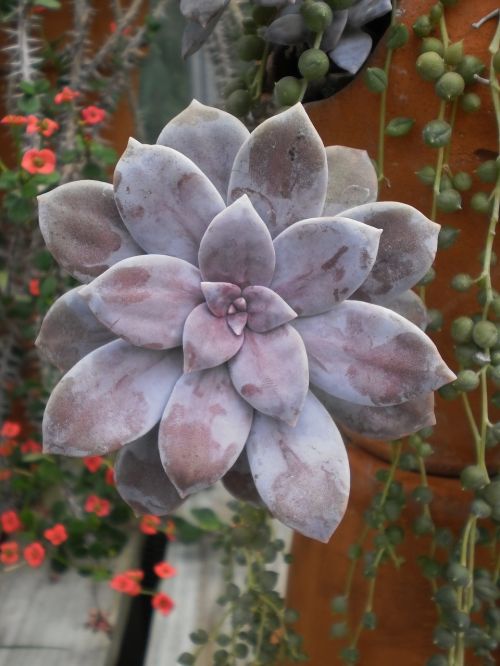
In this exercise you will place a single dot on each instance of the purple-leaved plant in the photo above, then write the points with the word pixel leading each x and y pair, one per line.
pixel 228 278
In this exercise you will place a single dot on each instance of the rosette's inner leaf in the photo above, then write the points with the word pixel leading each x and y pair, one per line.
pixel 141 480
pixel 203 430
pixel 282 168
pixel 266 310
pixel 209 137
pixel 165 200
pixel 321 262
pixel 113 396
pixel 270 372
pixel 237 247
pixel 384 423
pixel 83 229
pixel 352 179
pixel 301 473
pixel 146 300
pixel 70 331
pixel 219 296
pixel 208 341
pixel 407 248
pixel 369 355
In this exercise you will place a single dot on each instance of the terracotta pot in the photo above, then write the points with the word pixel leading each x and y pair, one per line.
pixel 403 597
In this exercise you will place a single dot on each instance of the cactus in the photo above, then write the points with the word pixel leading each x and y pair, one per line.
pixel 234 285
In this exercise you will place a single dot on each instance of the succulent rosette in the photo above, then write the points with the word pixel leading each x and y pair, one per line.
pixel 228 277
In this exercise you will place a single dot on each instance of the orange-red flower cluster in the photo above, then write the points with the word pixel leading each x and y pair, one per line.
pixel 10 429
pixel 30 446
pixel 93 463
pixel 34 554
pixel 56 535
pixel 165 570
pixel 39 161
pixel 149 524
pixel 10 522
pixel 162 603
pixel 94 504
pixel 44 126
pixel 66 95
pixel 128 582
pixel 9 553
pixel 93 115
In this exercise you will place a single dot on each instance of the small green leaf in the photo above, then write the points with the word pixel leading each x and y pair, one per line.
pixel 397 36
pixel 28 104
pixel 48 286
pixel 207 519
pixel 375 79
pixel 399 126
pixel 49 4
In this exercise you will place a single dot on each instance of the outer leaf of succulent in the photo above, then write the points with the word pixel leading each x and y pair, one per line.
pixel 219 291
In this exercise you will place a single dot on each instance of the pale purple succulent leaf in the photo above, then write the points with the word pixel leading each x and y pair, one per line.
pixel 141 480
pixel 70 331
pixel 83 229
pixel 207 340
pixel 364 11
pixel 407 248
pixel 113 396
pixel 352 179
pixel 301 473
pixel 195 35
pixel 164 199
pixel 270 372
pixel 239 481
pixel 321 262
pixel 352 50
pixel 146 300
pixel 219 296
pixel 411 307
pixel 203 430
pixel 282 167
pixel 286 30
pixel 202 11
pixel 237 247
pixel 237 322
pixel 266 310
pixel 209 137
pixel 334 31
pixel 384 423
pixel 369 355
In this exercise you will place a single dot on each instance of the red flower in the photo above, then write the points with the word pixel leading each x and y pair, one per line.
pixel 66 95
pixel 7 447
pixel 93 115
pixel 10 522
pixel 34 554
pixel 163 603
pixel 47 127
pixel 56 535
pixel 92 463
pixel 149 524
pixel 101 507
pixel 165 570
pixel 34 287
pixel 30 446
pixel 127 582
pixel 9 552
pixel 109 477
pixel 14 120
pixel 39 161
pixel 10 429
pixel 112 28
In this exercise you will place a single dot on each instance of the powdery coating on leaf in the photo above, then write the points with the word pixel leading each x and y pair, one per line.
pixel 411 307
pixel 334 31
pixel 201 11
pixel 70 331
pixel 270 372
pixel 219 296
pixel 301 473
pixel 407 248
pixel 266 310
pixel 237 247
pixel 195 35
pixel 203 429
pixel 369 355
pixel 209 137
pixel 321 262
pixel 282 167
pixel 352 179
pixel 164 199
pixel 141 480
pixel 352 50
pixel 207 340
pixel 365 11
pixel 287 29
pixel 384 423
pixel 111 397
pixel 83 229
pixel 239 482
pixel 146 300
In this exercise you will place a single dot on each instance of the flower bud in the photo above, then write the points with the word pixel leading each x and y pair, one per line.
pixel 469 67
pixel 437 133
pixel 432 44
pixel 450 86
pixel 375 79
pixel 473 477
pixel 449 201
pixel 317 15
pixel 287 91
pixel 467 380
pixel 313 64
pixel 461 329
pixel 488 171
pixel 430 66
pixel 461 282
pixel 436 12
pixel 462 181
pixel 485 334
pixel 470 102
pixel 454 53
